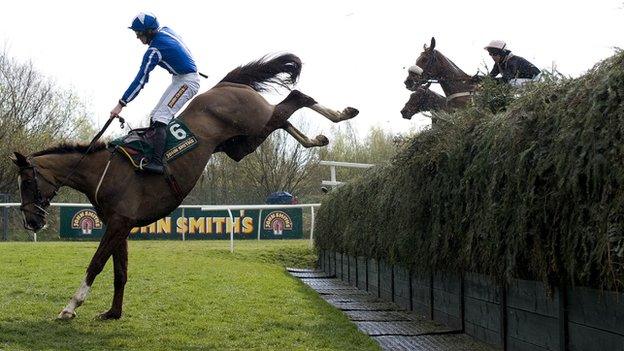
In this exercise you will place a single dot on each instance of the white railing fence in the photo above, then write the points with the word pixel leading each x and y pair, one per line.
pixel 333 182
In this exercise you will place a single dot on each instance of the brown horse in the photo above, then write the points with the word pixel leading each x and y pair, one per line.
pixel 232 117
pixel 424 100
pixel 432 66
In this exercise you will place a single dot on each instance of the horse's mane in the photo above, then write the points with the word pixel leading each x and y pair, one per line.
pixel 457 69
pixel 282 70
pixel 70 148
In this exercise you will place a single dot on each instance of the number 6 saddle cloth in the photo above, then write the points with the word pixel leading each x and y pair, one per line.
pixel 137 148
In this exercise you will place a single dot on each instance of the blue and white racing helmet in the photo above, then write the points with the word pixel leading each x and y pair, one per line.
pixel 144 21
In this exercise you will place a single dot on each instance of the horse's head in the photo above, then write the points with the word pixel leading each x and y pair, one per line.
pixel 421 100
pixel 425 69
pixel 36 191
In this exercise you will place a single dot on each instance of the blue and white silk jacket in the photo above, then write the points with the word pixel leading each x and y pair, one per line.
pixel 167 51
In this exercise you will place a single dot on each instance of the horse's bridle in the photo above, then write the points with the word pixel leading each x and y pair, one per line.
pixel 40 202
pixel 424 72
pixel 425 76
pixel 432 59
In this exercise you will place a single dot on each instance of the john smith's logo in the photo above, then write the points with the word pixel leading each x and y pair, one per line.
pixel 86 221
pixel 278 221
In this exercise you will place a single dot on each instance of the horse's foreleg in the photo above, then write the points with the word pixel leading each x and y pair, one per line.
pixel 115 233
pixel 320 139
pixel 120 261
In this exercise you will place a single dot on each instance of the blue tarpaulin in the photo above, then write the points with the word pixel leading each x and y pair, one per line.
pixel 281 198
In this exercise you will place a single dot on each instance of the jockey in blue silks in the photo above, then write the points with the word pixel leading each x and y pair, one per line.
pixel 166 50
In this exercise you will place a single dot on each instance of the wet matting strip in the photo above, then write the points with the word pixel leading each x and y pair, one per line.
pixel 363 305
pixel 377 316
pixel 401 328
pixel 332 299
pixel 386 322
pixel 310 274
pixel 329 283
pixel 453 342
pixel 343 292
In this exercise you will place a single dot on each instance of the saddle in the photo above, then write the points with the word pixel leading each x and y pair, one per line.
pixel 138 149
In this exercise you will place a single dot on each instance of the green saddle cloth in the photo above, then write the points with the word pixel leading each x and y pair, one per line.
pixel 180 140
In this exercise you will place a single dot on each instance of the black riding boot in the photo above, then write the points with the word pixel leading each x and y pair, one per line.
pixel 158 140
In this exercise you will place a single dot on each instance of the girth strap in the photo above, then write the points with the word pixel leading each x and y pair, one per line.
pixel 97 189
pixel 173 183
pixel 456 95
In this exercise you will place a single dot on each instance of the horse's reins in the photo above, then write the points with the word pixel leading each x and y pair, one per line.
pixel 427 80
pixel 40 202
pixel 93 141
pixel 456 95
pixel 431 60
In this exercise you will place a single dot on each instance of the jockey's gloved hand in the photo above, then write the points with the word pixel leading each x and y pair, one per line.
pixel 116 110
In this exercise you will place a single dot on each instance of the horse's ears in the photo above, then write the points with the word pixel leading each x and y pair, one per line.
pixel 432 46
pixel 19 159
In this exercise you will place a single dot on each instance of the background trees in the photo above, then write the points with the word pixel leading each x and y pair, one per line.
pixel 34 113
pixel 281 164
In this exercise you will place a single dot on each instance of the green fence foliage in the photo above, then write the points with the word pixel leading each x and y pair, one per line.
pixel 527 185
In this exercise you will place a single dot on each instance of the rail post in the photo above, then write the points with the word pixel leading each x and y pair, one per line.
pixel 311 226
pixel 5 218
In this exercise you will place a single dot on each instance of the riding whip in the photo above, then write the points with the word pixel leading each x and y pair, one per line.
pixel 93 141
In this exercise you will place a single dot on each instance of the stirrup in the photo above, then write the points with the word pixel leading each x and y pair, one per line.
pixel 154 168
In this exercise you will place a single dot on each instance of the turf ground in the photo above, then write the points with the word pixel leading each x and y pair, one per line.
pixel 192 295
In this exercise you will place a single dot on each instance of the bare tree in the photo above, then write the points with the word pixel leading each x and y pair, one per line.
pixel 279 164
pixel 282 164
pixel 34 113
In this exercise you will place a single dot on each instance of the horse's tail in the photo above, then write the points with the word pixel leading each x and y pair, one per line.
pixel 282 70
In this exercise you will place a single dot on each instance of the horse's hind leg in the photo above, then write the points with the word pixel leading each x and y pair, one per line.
pixel 116 233
pixel 237 149
pixel 303 139
pixel 335 116
pixel 296 100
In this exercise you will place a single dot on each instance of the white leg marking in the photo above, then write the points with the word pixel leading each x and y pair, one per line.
pixel 81 294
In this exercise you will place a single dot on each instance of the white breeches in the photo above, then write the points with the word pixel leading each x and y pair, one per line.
pixel 181 90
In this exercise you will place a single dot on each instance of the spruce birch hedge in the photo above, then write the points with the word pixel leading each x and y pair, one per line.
pixel 531 189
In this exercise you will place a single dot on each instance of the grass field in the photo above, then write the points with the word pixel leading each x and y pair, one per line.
pixel 192 295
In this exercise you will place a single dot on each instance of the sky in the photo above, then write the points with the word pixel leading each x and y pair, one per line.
pixel 355 53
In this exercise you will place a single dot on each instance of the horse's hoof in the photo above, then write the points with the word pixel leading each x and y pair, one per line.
pixel 66 315
pixel 109 315
pixel 322 140
pixel 350 112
